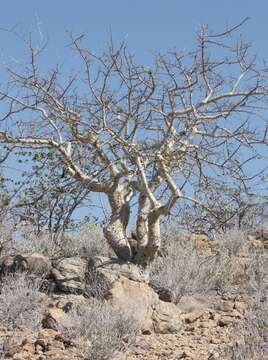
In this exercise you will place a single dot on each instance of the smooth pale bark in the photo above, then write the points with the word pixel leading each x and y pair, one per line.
pixel 142 220
pixel 148 226
pixel 147 231
pixel 150 243
pixel 115 231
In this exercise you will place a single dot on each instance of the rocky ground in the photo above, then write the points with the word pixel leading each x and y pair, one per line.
pixel 200 332
pixel 198 327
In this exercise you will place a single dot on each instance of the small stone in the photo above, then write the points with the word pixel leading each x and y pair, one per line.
pixel 193 316
pixel 55 354
pixel 225 321
pixel 226 306
pixel 215 316
pixel 39 349
pixel 207 324
pixel 241 307
pixel 55 318
pixel 236 314
pixel 41 342
pixel 165 295
pixel 214 356
pixel 215 341
pixel 265 233
pixel 18 356
pixel 186 354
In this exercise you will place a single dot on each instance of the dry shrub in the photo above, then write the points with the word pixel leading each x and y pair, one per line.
pixel 233 242
pixel 176 268
pixel 8 345
pixel 88 240
pixel 27 241
pixel 101 330
pixel 21 302
pixel 96 286
pixel 183 271
pixel 6 233
pixel 252 334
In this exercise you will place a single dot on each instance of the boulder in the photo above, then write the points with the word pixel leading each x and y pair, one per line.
pixel 166 318
pixel 164 294
pixel 113 269
pixel 69 274
pixel 67 302
pixel 56 319
pixel 38 264
pixel 34 263
pixel 12 264
pixel 154 315
pixel 138 298
pixel 195 315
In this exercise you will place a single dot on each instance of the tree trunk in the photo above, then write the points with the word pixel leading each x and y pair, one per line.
pixel 148 232
pixel 115 231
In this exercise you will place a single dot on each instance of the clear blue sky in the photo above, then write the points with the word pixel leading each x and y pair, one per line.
pixel 148 24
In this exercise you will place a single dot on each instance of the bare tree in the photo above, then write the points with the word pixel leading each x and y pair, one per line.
pixel 146 134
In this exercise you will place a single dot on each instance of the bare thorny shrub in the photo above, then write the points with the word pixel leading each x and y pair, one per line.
pixel 21 302
pixel 183 271
pixel 252 342
pixel 236 269
pixel 252 335
pixel 21 310
pixel 176 268
pixel 7 345
pixel 86 240
pixel 101 330
pixel 97 286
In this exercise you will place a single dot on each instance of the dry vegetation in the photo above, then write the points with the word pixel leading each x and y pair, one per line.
pixel 21 302
pixel 184 270
pixel 235 269
pixel 102 330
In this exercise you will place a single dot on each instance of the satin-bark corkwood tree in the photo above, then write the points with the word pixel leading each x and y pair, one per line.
pixel 149 134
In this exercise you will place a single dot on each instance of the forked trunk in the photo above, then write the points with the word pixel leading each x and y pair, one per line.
pixel 147 229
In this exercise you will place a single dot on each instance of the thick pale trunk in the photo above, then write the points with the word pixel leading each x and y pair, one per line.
pixel 148 248
pixel 115 231
pixel 148 232
pixel 142 220
pixel 154 235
